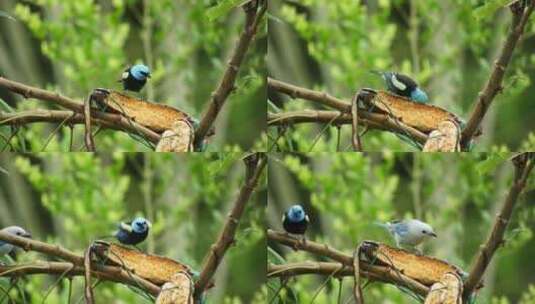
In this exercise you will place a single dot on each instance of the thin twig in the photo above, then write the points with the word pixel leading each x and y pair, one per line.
pixel 523 164
pixel 355 138
pixel 89 141
pixel 253 16
pixel 357 290
pixel 494 84
pixel 254 167
pixel 89 299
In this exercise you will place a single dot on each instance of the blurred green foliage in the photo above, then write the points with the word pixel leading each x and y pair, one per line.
pixel 345 194
pixel 85 45
pixel 448 46
pixel 74 199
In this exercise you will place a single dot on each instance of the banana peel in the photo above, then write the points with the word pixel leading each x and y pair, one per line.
pixel 157 117
pixel 156 269
pixel 424 117
pixel 448 291
pixel 445 139
pixel 177 291
pixel 424 269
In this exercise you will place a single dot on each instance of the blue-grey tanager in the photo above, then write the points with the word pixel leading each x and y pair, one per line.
pixel 409 232
pixel 7 248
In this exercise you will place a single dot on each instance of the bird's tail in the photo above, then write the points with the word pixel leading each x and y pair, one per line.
pixel 381 224
pixel 377 72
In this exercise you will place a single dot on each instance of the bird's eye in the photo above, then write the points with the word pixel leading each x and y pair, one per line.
pixel 424 232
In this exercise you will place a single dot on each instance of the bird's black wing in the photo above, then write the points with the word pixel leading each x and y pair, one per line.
pixel 409 82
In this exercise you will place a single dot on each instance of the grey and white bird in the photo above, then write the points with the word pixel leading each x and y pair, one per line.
pixel 409 232
pixel 7 248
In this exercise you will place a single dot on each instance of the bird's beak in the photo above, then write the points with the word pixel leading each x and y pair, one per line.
pixel 27 235
pixel 149 224
pixel 149 75
pixel 433 234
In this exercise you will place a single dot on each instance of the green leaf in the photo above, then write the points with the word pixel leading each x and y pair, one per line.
pixel 223 8
pixel 488 9
pixel 5 107
pixel 274 257
pixel 492 162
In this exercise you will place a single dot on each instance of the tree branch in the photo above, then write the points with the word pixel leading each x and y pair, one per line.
pixel 355 137
pixel 379 273
pixel 254 167
pixel 373 120
pixel 112 121
pixel 73 266
pixel 254 12
pixel 494 83
pixel 110 273
pixel 88 136
pixel 357 290
pixel 523 165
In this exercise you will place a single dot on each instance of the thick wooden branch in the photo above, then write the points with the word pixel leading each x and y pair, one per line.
pixel 254 167
pixel 372 120
pixel 494 84
pixel 113 121
pixel 523 166
pixel 379 273
pixel 254 12
pixel 74 264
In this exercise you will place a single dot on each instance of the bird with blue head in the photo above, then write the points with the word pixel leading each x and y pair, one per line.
pixel 295 221
pixel 409 233
pixel 135 77
pixel 134 232
pixel 7 248
pixel 403 85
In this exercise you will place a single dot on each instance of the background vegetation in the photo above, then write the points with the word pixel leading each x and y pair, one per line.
pixel 447 46
pixel 459 195
pixel 73 199
pixel 74 47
